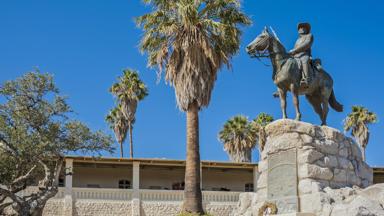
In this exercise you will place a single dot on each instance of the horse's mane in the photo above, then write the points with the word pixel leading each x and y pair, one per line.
pixel 281 46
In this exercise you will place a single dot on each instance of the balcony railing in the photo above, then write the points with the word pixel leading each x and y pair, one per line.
pixel 145 194
pixel 221 196
pixel 161 195
pixel 102 193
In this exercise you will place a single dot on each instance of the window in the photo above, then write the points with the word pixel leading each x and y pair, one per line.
pixel 61 182
pixel 248 187
pixel 178 186
pixel 124 184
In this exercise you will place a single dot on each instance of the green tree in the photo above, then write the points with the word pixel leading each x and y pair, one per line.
pixel 239 138
pixel 119 125
pixel 191 40
pixel 259 123
pixel 357 121
pixel 129 90
pixel 36 131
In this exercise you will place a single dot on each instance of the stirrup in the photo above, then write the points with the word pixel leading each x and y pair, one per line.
pixel 304 83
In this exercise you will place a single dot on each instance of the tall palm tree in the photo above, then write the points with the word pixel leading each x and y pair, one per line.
pixel 357 121
pixel 129 90
pixel 190 40
pixel 119 126
pixel 260 122
pixel 239 138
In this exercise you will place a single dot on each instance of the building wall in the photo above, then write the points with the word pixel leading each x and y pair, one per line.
pixel 161 177
pixel 158 177
pixel 233 179
pixel 105 177
pixel 378 178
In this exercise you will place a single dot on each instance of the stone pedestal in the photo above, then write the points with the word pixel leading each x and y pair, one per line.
pixel 302 166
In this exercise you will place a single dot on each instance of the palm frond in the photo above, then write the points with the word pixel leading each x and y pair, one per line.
pixel 357 122
pixel 190 40
pixel 238 135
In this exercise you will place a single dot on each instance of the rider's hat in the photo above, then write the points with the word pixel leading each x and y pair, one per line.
pixel 304 25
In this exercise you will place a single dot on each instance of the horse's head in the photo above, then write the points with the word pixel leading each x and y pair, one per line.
pixel 260 44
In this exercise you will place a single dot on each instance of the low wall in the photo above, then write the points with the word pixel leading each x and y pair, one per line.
pixel 55 207
pixel 101 202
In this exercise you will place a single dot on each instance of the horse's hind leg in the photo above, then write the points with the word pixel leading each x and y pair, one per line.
pixel 295 98
pixel 325 94
pixel 283 101
pixel 325 112
pixel 315 101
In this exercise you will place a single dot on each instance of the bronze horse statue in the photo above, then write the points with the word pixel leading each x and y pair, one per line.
pixel 287 76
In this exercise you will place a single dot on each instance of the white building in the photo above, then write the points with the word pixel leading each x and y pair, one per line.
pixel 114 186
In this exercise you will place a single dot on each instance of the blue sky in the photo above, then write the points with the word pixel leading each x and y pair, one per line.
pixel 87 43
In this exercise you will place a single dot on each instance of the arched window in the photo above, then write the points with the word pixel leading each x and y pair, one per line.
pixel 248 187
pixel 124 184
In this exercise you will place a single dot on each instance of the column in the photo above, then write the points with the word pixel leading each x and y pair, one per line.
pixel 255 177
pixel 68 176
pixel 136 179
pixel 136 189
pixel 201 176
pixel 68 201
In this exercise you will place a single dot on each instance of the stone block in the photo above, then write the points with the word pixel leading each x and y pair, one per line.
pixel 283 142
pixel 330 161
pixel 343 152
pixel 306 139
pixel 353 179
pixel 308 156
pixel 332 134
pixel 262 181
pixel 314 171
pixel 356 151
pixel 345 163
pixel 262 166
pixel 327 146
pixel 340 175
pixel 365 172
pixel 305 186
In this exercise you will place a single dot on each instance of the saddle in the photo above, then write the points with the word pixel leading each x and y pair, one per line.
pixel 314 70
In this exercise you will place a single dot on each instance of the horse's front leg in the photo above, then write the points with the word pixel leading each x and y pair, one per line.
pixel 295 98
pixel 283 101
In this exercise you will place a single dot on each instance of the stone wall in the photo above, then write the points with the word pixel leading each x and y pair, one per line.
pixel 315 170
pixel 325 156
pixel 101 208
pixel 87 207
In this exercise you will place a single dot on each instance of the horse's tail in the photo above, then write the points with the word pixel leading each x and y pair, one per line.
pixel 334 104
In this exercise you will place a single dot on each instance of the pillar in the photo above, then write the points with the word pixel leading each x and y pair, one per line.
pixel 136 189
pixel 68 201
pixel 255 177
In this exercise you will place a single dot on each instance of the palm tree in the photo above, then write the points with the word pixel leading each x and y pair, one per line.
pixel 191 40
pixel 260 122
pixel 357 121
pixel 118 123
pixel 129 90
pixel 239 138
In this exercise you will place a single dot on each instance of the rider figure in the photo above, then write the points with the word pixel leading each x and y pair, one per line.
pixel 302 51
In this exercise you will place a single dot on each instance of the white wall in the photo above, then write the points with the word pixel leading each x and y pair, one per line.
pixel 106 177
pixel 233 179
pixel 160 176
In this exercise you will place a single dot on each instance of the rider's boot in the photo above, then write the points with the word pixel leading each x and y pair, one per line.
pixel 306 80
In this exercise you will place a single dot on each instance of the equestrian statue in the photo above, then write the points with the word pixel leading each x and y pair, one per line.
pixel 297 72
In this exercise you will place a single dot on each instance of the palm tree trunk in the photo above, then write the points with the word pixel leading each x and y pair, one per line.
pixel 121 150
pixel 130 141
pixel 192 190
